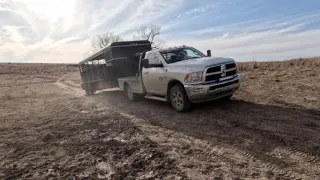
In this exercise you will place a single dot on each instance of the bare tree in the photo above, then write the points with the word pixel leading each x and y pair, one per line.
pixel 101 41
pixel 150 33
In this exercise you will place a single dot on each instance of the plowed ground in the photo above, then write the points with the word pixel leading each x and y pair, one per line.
pixel 50 130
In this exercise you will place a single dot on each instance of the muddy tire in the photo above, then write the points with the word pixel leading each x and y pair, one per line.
pixel 129 94
pixel 179 99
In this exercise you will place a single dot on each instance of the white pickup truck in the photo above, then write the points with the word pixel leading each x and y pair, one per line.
pixel 182 76
pixel 179 75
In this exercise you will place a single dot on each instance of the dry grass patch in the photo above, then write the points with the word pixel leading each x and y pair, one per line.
pixel 272 65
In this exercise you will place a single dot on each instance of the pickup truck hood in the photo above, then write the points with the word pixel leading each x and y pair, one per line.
pixel 198 64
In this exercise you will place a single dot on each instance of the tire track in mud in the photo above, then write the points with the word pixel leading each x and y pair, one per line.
pixel 61 82
pixel 295 154
pixel 282 170
pixel 238 156
pixel 26 84
pixel 230 155
pixel 70 89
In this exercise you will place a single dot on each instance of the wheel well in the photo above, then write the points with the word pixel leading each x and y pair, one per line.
pixel 170 85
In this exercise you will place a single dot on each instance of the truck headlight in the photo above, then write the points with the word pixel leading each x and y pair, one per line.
pixel 193 77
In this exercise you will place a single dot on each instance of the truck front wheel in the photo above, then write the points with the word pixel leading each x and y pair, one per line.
pixel 179 99
pixel 129 94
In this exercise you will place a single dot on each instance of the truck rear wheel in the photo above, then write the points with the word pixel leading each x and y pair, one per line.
pixel 129 94
pixel 179 99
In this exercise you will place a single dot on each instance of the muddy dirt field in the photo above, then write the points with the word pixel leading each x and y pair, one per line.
pixel 50 130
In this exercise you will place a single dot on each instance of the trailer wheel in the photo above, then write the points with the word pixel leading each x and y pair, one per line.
pixel 87 91
pixel 90 90
pixel 179 99
pixel 129 94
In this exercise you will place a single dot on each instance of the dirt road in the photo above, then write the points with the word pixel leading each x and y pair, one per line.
pixel 49 129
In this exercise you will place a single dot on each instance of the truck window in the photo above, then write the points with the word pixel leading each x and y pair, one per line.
pixel 180 54
pixel 153 58
pixel 193 54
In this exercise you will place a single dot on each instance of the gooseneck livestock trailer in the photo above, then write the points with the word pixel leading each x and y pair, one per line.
pixel 103 69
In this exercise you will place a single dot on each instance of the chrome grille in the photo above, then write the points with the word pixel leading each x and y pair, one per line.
pixel 214 73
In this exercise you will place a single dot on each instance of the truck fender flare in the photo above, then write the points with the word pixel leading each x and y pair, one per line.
pixel 171 83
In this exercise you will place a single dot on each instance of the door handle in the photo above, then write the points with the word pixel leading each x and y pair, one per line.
pixel 146 73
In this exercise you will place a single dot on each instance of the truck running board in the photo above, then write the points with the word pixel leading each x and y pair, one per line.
pixel 158 98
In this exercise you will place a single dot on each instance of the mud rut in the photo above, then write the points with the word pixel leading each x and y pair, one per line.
pixel 233 140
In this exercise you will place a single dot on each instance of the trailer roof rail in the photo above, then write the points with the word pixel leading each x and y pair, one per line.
pixel 99 55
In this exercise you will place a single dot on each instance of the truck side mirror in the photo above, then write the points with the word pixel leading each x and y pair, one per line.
pixel 160 65
pixel 145 63
pixel 209 53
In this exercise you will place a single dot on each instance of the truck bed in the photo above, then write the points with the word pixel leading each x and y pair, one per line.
pixel 134 82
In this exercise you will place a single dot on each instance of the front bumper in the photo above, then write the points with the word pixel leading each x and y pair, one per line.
pixel 207 92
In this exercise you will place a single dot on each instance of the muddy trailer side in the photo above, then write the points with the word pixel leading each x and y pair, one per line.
pixel 102 69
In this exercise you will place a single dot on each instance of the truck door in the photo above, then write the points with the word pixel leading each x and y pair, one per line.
pixel 154 76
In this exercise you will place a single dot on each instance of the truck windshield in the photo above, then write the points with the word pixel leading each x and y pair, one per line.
pixel 180 54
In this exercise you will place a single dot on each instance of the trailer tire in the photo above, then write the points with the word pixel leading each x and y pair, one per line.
pixel 129 94
pixel 87 91
pixel 179 99
pixel 90 90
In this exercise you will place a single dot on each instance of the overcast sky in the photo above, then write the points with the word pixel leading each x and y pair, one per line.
pixel 60 30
